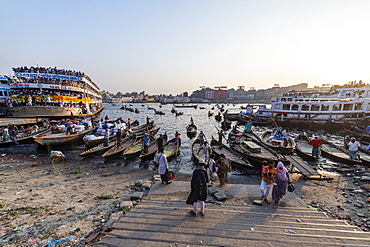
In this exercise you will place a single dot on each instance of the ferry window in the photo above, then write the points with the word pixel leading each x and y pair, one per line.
pixel 358 106
pixel 1 93
pixel 325 107
pixel 277 107
pixel 305 108
pixel 337 107
pixel 315 107
pixel 295 107
pixel 286 107
pixel 283 99
pixel 290 99
pixel 347 107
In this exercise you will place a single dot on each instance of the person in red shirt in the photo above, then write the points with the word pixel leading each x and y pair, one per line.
pixel 316 143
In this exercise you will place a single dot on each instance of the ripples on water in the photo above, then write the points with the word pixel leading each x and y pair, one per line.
pixel 170 123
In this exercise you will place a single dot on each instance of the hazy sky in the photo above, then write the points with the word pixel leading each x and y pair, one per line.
pixel 177 46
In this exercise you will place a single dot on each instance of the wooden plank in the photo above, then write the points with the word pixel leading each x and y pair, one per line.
pixel 306 170
pixel 253 147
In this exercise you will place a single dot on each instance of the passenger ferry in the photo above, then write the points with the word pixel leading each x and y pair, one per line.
pixel 52 92
pixel 4 95
pixel 339 105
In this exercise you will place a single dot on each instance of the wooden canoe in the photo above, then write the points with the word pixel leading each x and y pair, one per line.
pixel 134 149
pixel 136 129
pixel 254 151
pixel 152 149
pixel 116 151
pixel 191 130
pixel 22 137
pixel 304 148
pixel 278 145
pixel 337 154
pixel 363 158
pixel 99 149
pixel 171 148
pixel 57 139
pixel 195 148
pixel 235 158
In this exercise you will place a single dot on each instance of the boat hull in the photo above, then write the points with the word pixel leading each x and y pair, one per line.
pixel 49 111
pixel 61 139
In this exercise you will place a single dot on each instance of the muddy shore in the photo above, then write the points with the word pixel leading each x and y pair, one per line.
pixel 41 201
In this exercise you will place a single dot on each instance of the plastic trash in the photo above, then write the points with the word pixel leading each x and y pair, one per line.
pixel 53 241
pixel 18 228
pixel 290 231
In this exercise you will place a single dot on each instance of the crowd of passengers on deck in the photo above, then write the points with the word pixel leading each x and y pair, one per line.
pixel 44 80
pixel 26 92
pixel 323 94
pixel 49 70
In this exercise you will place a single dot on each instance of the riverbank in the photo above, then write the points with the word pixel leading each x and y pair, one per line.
pixel 41 201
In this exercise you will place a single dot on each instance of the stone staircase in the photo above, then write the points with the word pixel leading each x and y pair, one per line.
pixel 159 221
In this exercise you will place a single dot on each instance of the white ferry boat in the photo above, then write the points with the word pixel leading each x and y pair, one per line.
pixel 52 92
pixel 4 95
pixel 339 105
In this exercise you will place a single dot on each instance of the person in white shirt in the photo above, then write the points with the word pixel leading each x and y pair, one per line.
pixel 353 148
pixel 286 135
pixel 206 151
pixel 272 135
pixel 161 160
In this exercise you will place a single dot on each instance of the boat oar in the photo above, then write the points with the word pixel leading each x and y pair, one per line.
pixel 273 121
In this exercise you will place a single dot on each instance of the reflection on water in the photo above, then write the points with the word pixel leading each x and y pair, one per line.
pixel 171 123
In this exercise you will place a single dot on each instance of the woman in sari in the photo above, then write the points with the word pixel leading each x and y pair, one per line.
pixel 224 167
pixel 281 180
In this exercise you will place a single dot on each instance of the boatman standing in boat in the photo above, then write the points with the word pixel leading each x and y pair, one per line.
pixel 159 142
pixel 286 135
pixel 353 148
pixel 316 143
pixel 207 151
pixel 146 143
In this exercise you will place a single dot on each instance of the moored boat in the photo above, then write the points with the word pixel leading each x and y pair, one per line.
pixel 117 150
pixel 99 149
pixel 278 144
pixel 97 137
pixel 137 148
pixel 304 148
pixel 171 148
pixel 235 158
pixel 254 150
pixel 52 92
pixel 152 149
pixel 336 153
pixel 58 139
pixel 345 104
pixel 24 136
pixel 195 148
pixel 5 95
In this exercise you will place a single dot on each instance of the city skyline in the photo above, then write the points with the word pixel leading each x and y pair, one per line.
pixel 173 46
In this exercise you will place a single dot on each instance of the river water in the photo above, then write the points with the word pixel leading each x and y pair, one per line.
pixel 171 123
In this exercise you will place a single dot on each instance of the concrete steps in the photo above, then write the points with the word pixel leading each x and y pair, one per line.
pixel 168 223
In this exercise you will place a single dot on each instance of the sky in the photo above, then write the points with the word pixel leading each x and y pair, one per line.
pixel 177 46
